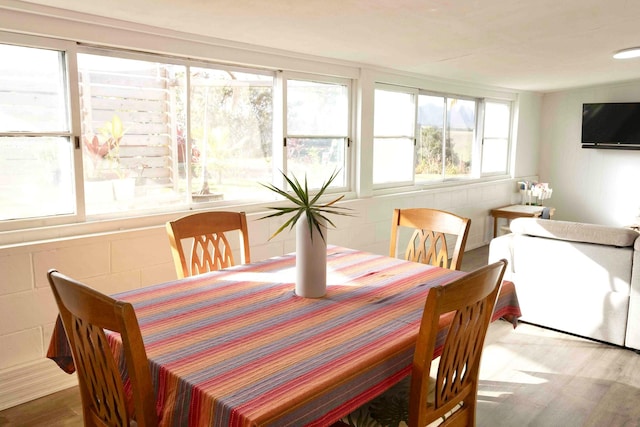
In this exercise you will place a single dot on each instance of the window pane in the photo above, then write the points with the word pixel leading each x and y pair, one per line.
pixel 133 125
pixel 316 158
pixel 394 114
pixel 494 155
pixel 317 109
pixel 429 162
pixel 36 177
pixel 495 148
pixel 32 90
pixel 392 160
pixel 317 131
pixel 36 172
pixel 496 120
pixel 461 124
pixel 231 129
pixel 393 143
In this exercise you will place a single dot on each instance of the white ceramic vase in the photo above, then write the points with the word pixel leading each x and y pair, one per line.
pixel 311 260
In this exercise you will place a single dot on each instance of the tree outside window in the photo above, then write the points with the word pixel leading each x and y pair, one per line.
pixel 447 135
pixel 447 146
pixel 231 132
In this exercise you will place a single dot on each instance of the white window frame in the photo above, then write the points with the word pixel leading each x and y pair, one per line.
pixel 406 90
pixel 285 76
pixel 477 140
pixel 509 137
pixel 69 51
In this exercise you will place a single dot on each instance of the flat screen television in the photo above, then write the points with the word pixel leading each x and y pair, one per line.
pixel 613 125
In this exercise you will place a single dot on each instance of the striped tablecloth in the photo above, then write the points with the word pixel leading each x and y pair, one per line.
pixel 237 347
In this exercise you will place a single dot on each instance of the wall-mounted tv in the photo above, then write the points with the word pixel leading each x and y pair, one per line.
pixel 613 125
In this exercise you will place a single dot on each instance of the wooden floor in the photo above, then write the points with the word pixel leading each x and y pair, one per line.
pixel 530 376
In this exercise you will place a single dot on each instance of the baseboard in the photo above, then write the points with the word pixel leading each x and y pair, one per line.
pixel 29 382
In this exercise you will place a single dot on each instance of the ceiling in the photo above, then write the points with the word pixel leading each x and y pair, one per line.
pixel 536 45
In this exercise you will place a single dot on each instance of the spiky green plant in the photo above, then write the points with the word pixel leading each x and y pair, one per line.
pixel 305 203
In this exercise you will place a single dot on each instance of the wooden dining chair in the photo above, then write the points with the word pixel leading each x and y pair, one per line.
pixel 207 247
pixel 85 314
pixel 471 298
pixel 450 395
pixel 428 243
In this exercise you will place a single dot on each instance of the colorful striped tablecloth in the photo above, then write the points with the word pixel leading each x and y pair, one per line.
pixel 237 347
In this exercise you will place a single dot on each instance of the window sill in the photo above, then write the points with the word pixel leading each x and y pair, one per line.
pixel 440 186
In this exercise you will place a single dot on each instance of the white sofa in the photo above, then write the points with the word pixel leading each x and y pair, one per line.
pixel 578 278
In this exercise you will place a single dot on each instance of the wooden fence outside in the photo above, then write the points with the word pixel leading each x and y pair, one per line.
pixel 144 101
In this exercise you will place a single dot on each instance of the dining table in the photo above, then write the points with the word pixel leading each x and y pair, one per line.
pixel 238 347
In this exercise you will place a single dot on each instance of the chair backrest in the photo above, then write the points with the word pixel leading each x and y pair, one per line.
pixel 85 314
pixel 470 301
pixel 207 247
pixel 428 244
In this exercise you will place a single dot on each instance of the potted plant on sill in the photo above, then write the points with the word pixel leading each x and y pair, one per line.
pixel 310 218
pixel 105 165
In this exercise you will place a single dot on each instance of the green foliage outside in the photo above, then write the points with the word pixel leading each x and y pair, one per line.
pixel 429 154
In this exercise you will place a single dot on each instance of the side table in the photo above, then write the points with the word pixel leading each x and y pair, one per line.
pixel 517 211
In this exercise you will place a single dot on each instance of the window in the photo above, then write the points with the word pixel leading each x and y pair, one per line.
pixel 153 133
pixel 447 146
pixel 447 133
pixel 133 119
pixel 497 127
pixel 231 134
pixel 317 131
pixel 97 133
pixel 394 136
pixel 36 153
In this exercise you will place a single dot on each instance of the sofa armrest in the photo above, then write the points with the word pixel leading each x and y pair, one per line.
pixel 575 231
pixel 633 328
pixel 502 248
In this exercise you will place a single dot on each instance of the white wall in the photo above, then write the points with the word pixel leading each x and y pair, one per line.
pixel 598 186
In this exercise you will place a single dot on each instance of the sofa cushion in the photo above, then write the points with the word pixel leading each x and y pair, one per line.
pixel 575 231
